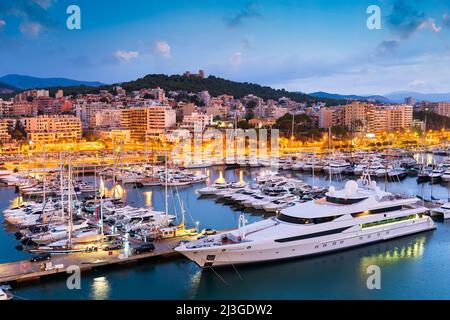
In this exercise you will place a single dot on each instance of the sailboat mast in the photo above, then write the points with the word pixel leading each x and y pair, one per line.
pixel 69 205
pixel 165 184
pixel 61 181
pixel 101 213
pixel 44 181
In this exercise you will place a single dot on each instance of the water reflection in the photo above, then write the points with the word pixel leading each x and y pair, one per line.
pixel 148 198
pixel 410 251
pixel 220 179
pixel 100 289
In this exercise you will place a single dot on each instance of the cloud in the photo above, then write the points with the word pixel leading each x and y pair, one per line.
pixel 387 46
pixel 32 14
pixel 236 59
pixel 248 12
pixel 404 20
pixel 433 26
pixel 126 56
pixel 163 48
pixel 417 83
pixel 45 4
pixel 2 23
pixel 30 28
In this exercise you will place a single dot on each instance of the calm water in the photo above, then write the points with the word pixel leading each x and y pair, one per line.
pixel 417 266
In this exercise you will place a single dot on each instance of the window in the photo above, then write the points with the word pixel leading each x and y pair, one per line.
pixel 392 220
pixel 344 200
pixel 312 235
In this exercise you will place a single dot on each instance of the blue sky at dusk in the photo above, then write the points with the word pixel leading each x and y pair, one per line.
pixel 299 45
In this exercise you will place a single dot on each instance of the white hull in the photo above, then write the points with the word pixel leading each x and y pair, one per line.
pixel 251 252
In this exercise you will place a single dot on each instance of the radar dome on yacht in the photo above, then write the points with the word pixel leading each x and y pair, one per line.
pixel 351 187
pixel 331 189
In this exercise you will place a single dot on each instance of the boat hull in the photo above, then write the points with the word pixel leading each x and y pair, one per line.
pixel 250 252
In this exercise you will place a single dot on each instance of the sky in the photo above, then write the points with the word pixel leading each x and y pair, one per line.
pixel 303 45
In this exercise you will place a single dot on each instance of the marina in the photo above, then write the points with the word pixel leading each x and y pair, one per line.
pixel 257 193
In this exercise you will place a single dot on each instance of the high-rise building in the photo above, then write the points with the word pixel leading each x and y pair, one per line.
pixel 410 101
pixel 329 117
pixel 148 121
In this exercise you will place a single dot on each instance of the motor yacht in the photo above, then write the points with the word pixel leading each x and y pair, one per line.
pixel 361 213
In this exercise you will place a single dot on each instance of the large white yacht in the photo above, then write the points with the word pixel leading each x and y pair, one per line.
pixel 361 213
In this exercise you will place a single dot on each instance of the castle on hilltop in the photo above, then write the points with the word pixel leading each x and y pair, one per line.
pixel 200 74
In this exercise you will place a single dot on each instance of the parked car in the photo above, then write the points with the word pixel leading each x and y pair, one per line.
pixel 208 232
pixel 113 245
pixel 145 247
pixel 41 257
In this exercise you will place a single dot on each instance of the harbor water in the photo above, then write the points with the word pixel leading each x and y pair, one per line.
pixel 416 266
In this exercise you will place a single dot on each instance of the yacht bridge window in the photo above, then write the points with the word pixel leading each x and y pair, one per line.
pixel 339 200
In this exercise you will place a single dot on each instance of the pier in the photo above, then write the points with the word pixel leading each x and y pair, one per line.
pixel 25 270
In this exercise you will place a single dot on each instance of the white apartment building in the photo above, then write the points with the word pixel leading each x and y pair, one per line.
pixel 86 111
pixel 108 118
pixel 197 121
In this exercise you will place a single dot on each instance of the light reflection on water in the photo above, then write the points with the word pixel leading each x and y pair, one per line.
pixel 337 275
pixel 100 288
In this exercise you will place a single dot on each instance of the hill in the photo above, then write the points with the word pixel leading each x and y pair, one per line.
pixel 6 88
pixel 27 82
pixel 322 94
pixel 217 86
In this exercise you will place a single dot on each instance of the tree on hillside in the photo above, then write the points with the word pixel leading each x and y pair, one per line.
pixel 18 131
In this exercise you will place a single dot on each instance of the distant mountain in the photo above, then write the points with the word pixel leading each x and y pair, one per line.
pixel 27 82
pixel 6 88
pixel 321 94
pixel 400 96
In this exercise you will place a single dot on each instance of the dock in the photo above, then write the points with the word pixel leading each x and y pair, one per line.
pixel 25 270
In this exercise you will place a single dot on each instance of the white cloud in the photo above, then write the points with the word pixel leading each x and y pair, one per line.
pixel 30 28
pixel 163 48
pixel 126 56
pixel 236 59
pixel 417 83
pixel 2 23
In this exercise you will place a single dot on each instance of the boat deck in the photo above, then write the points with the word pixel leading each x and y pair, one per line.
pixel 26 270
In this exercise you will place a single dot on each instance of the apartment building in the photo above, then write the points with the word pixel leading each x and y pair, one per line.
pixel 329 117
pixel 148 121
pixel 6 108
pixel 24 109
pixel 86 111
pixel 355 115
pixel 108 118
pixel 5 125
pixel 442 108
pixel 197 121
pixel 48 129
